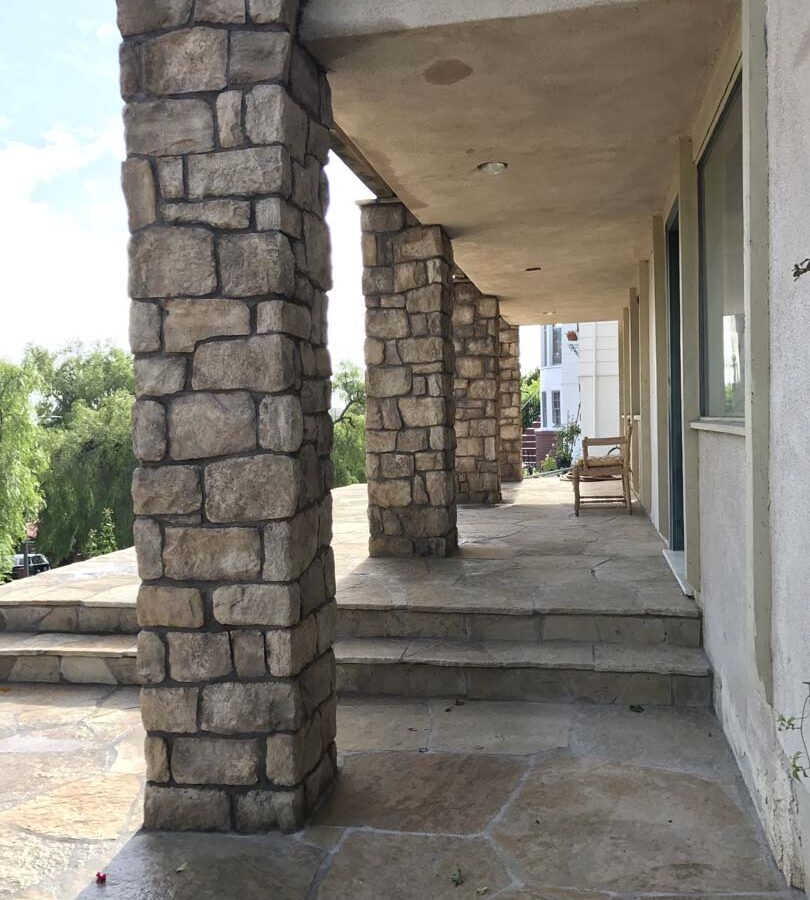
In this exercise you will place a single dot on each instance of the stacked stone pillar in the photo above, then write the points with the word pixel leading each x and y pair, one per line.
pixel 510 431
pixel 475 335
pixel 410 443
pixel 227 135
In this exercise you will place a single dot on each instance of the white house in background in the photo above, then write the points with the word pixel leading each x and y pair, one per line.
pixel 579 376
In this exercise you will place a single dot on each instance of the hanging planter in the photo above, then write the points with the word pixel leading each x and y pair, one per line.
pixel 572 336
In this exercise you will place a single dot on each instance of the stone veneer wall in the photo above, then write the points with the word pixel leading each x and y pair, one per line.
pixel 410 443
pixel 227 134
pixel 509 451
pixel 475 335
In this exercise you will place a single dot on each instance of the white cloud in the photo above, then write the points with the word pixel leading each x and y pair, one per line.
pixel 106 31
pixel 64 269
pixel 65 264
pixel 347 309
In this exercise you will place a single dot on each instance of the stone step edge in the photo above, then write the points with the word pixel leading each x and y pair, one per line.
pixel 455 608
pixel 468 655
pixel 89 603
pixel 72 644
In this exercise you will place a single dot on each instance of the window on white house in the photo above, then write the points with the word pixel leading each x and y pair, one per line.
pixel 556 409
pixel 721 267
pixel 544 410
pixel 556 345
pixel 544 346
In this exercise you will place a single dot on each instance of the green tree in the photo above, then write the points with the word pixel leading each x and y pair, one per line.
pixel 102 541
pixel 529 398
pixel 90 470
pixel 77 375
pixel 20 459
pixel 83 400
pixel 348 419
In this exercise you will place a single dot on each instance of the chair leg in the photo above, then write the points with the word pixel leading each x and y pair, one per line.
pixel 576 493
pixel 628 497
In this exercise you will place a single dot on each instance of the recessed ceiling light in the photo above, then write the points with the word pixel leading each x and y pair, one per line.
pixel 535 269
pixel 492 168
pixel 552 313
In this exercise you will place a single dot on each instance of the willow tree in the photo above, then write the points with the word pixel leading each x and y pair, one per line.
pixel 20 459
pixel 84 402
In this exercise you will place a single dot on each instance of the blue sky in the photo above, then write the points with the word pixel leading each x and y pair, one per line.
pixel 63 231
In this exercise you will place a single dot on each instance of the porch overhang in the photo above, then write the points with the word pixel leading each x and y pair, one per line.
pixel 585 101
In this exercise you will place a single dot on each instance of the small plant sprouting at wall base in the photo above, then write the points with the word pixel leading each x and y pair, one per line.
pixel 800 761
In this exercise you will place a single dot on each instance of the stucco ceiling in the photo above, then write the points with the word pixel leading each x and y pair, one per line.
pixel 585 104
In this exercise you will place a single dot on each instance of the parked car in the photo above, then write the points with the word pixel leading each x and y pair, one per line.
pixel 37 562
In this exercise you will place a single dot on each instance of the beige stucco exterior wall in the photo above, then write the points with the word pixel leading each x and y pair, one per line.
pixel 788 25
pixel 747 720
pixel 754 504
pixel 747 504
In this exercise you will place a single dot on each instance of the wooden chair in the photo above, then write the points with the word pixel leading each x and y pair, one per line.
pixel 604 467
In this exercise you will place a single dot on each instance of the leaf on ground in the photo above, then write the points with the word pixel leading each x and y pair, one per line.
pixel 457 878
pixel 182 867
pixel 634 707
pixel 482 890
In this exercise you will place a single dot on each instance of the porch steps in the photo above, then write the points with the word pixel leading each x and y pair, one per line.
pixel 651 624
pixel 96 596
pixel 651 674
pixel 69 616
pixel 68 658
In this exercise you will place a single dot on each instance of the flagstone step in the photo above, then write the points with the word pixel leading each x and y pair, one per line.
pixel 654 674
pixel 95 596
pixel 69 616
pixel 520 624
pixel 68 658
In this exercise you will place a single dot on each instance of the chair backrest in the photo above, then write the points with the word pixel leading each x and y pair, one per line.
pixel 624 442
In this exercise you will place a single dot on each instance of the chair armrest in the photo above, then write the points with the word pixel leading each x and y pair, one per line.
pixel 604 442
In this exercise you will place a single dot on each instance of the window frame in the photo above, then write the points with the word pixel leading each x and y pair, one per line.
pixel 556 414
pixel 733 94
pixel 544 409
pixel 556 345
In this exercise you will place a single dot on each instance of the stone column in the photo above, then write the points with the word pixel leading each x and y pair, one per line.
pixel 475 335
pixel 510 451
pixel 226 132
pixel 410 443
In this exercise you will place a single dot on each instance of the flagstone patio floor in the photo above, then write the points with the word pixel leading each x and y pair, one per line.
pixel 436 799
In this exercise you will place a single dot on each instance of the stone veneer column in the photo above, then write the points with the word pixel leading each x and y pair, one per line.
pixel 226 132
pixel 510 451
pixel 410 443
pixel 475 335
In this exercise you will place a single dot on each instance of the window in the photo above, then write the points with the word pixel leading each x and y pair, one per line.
pixel 722 316
pixel 556 411
pixel 556 346
pixel 544 410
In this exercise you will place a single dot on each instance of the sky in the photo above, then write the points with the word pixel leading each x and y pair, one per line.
pixel 63 233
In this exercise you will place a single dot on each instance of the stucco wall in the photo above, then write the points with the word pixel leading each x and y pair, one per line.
pixel 748 721
pixel 788 23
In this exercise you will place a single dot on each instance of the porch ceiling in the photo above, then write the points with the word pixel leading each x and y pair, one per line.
pixel 585 102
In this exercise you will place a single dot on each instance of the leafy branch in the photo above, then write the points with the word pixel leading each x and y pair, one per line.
pixel 800 760
pixel 801 268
